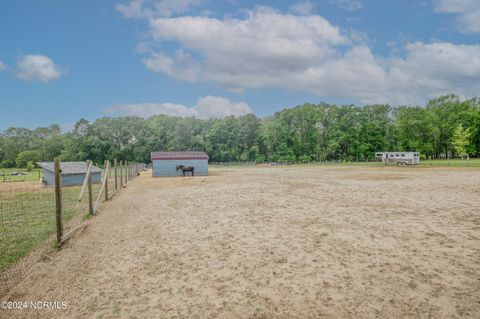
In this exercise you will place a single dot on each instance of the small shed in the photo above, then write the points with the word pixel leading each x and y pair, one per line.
pixel 73 173
pixel 401 158
pixel 165 163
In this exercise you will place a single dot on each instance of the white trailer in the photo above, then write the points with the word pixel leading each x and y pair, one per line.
pixel 399 158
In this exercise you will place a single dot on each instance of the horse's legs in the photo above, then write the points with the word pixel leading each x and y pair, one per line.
pixel 183 173
pixel 193 174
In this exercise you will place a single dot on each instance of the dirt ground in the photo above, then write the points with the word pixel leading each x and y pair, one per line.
pixel 274 242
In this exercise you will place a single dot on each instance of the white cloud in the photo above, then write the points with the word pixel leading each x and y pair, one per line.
pixel 349 5
pixel 302 8
pixel 433 69
pixel 152 8
pixel 308 54
pixel 205 108
pixel 468 12
pixel 235 51
pixel 3 66
pixel 132 9
pixel 181 66
pixel 36 67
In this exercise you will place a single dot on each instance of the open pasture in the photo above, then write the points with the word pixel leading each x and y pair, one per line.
pixel 275 242
pixel 20 175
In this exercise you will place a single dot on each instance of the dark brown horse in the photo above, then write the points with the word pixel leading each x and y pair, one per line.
pixel 186 169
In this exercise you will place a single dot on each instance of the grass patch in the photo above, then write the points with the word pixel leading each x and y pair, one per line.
pixel 32 176
pixel 474 162
pixel 27 219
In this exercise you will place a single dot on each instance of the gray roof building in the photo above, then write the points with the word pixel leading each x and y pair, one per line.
pixel 69 167
pixel 73 173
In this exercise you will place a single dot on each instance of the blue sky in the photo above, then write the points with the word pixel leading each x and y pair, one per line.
pixel 64 60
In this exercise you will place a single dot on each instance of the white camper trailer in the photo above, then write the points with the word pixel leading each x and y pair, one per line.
pixel 400 158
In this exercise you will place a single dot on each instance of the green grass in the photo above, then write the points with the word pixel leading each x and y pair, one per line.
pixel 27 219
pixel 32 176
pixel 28 223
pixel 474 162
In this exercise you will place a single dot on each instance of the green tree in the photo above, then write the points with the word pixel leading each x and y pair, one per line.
pixel 461 139
pixel 30 166
pixel 415 130
pixel 304 133
pixel 446 113
pixel 27 156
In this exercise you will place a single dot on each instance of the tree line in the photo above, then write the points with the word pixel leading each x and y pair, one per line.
pixel 446 127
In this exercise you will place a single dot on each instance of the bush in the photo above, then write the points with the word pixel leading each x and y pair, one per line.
pixel 305 158
pixel 27 156
pixel 30 166
pixel 244 157
pixel 7 163
pixel 260 158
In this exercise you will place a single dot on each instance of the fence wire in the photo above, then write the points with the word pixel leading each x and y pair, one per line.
pixel 27 225
pixel 28 222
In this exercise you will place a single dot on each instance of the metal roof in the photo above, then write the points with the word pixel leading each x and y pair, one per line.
pixel 179 155
pixel 69 167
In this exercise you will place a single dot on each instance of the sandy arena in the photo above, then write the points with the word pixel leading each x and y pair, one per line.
pixel 274 242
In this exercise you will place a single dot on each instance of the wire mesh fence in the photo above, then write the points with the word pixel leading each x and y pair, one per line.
pixel 26 223
pixel 28 217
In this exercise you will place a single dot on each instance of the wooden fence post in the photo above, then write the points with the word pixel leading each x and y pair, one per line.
pixel 115 173
pixel 107 163
pixel 90 195
pixel 58 200
pixel 126 171
pixel 104 184
pixel 121 173
pixel 85 181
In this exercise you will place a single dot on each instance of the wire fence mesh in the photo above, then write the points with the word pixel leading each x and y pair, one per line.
pixel 26 224
pixel 28 219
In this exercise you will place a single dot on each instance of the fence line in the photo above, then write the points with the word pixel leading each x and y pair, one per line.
pixel 313 163
pixel 35 218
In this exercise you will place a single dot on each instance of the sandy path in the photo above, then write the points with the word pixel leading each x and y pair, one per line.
pixel 274 242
